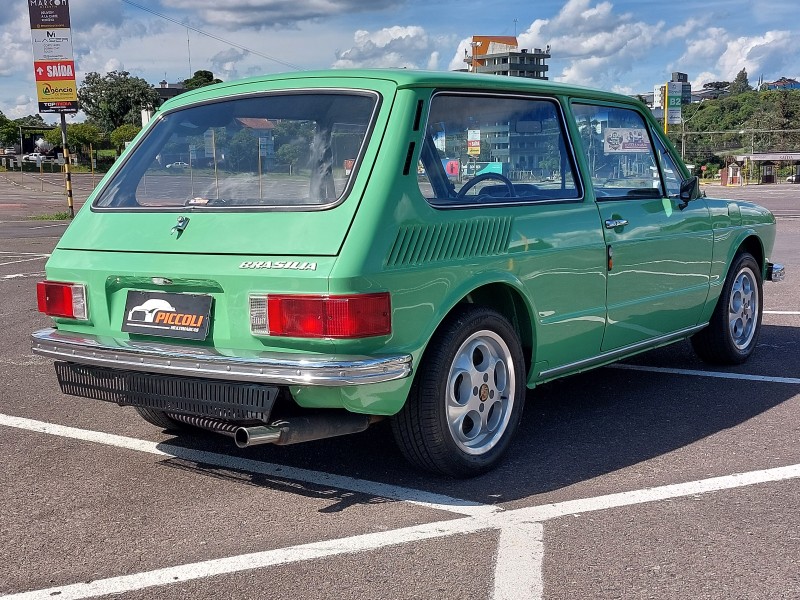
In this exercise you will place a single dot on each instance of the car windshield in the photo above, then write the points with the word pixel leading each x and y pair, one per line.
pixel 284 150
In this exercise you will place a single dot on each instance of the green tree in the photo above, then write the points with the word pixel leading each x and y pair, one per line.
pixel 740 84
pixel 115 99
pixel 9 134
pixel 243 151
pixel 290 154
pixel 200 79
pixel 122 134
pixel 79 136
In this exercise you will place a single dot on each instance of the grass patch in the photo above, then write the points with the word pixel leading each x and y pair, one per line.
pixel 59 216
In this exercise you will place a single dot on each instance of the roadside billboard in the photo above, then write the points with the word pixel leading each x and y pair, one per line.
pixel 53 61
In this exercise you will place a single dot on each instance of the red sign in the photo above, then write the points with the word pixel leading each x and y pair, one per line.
pixel 54 70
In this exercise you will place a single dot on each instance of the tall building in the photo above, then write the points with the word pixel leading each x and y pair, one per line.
pixel 501 55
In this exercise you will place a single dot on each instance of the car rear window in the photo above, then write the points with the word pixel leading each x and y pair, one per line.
pixel 297 150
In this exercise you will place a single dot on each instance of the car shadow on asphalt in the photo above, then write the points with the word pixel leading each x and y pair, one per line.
pixel 573 430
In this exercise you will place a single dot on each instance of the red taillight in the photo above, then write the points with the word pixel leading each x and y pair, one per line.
pixel 60 299
pixel 356 316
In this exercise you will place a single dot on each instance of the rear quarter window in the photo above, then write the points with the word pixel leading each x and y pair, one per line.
pixel 495 150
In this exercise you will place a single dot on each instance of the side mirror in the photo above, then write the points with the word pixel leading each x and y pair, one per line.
pixel 690 190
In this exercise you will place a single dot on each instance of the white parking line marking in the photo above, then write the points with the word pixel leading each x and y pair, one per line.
pixel 372 488
pixel 782 312
pixel 41 254
pixel 21 275
pixel 518 570
pixel 515 519
pixel 22 260
pixel 717 374
pixel 664 492
pixel 46 226
pixel 257 560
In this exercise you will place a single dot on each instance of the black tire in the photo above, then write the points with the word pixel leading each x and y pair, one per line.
pixel 467 397
pixel 158 418
pixel 732 332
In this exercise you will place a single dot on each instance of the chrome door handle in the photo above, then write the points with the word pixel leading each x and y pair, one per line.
pixel 614 223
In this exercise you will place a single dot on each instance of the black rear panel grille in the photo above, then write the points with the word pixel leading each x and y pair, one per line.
pixel 226 400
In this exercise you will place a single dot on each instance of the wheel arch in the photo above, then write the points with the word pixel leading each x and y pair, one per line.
pixel 506 297
pixel 754 246
pixel 751 243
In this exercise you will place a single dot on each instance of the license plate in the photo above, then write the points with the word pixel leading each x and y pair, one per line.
pixel 184 316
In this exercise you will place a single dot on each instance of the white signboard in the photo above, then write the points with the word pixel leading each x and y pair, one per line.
pixel 51 44
pixel 625 139
pixel 673 109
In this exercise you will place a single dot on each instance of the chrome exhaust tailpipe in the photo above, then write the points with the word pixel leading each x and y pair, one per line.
pixel 214 425
pixel 304 429
pixel 254 436
pixel 282 433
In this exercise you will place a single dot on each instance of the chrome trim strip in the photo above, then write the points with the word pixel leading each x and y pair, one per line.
pixel 613 355
pixel 258 367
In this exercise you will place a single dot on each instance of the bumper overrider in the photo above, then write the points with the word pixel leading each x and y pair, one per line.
pixel 775 272
pixel 265 368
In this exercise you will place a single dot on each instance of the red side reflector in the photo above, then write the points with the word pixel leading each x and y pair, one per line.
pixel 356 316
pixel 59 299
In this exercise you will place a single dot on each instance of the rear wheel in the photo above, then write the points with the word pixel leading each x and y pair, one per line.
pixel 158 418
pixel 732 332
pixel 466 401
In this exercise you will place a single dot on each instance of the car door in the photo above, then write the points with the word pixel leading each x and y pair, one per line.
pixel 506 158
pixel 659 250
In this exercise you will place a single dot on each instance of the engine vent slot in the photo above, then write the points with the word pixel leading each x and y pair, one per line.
pixel 420 244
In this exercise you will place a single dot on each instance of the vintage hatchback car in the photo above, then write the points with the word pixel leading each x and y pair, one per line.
pixel 346 246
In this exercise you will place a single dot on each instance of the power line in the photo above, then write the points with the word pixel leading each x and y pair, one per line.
pixel 214 37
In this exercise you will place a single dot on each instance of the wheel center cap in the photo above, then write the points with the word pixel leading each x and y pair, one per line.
pixel 483 393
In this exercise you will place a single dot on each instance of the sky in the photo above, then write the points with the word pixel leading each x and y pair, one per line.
pixel 623 46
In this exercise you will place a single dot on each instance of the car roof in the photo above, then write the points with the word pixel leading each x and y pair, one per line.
pixel 401 78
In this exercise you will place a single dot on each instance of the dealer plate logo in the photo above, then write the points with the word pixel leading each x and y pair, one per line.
pixel 184 316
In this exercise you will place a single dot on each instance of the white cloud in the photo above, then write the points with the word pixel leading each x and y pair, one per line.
pixel 720 56
pixel 400 47
pixel 224 63
pixel 258 14
pixel 591 43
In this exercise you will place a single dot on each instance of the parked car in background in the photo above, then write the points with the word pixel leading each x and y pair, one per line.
pixel 792 179
pixel 277 308
pixel 35 157
pixel 178 165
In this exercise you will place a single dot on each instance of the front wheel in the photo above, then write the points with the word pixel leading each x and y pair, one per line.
pixel 466 401
pixel 732 332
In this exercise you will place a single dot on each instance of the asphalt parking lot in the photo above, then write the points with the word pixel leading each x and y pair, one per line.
pixel 658 478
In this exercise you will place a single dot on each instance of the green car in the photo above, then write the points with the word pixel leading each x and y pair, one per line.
pixel 341 247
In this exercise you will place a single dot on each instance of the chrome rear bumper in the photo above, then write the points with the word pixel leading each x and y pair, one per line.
pixel 258 367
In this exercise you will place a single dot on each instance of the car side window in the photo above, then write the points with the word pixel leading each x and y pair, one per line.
pixel 670 170
pixel 619 154
pixel 495 150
